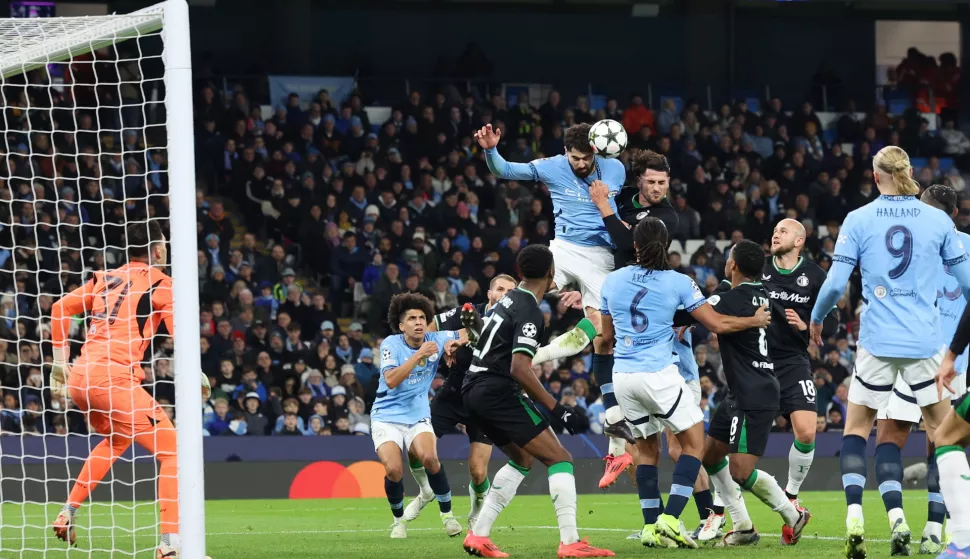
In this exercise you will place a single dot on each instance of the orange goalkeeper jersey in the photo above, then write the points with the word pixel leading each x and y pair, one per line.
pixel 127 305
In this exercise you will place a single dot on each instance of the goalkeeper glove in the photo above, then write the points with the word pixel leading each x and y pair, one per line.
pixel 567 417
pixel 60 372
pixel 206 388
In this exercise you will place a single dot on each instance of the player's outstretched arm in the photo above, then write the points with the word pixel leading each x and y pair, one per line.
pixel 719 323
pixel 488 138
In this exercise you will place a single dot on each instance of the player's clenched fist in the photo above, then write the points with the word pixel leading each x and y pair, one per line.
pixel 488 137
pixel 428 349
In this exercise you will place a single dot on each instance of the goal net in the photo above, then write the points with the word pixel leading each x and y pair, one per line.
pixel 96 134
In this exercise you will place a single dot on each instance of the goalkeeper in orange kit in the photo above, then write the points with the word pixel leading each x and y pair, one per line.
pixel 127 306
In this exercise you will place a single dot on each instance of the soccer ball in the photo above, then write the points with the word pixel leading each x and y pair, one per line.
pixel 607 138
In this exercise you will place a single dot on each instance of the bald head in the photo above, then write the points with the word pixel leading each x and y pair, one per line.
pixel 789 235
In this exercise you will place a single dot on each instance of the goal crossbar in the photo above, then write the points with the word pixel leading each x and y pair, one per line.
pixel 63 38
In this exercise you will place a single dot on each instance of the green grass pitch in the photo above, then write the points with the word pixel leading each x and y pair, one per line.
pixel 358 528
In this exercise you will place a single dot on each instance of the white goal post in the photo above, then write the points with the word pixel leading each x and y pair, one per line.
pixel 31 44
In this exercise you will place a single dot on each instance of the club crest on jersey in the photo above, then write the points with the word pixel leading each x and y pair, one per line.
pixel 802 281
pixel 432 358
pixel 879 292
pixel 642 215
pixel 627 341
pixel 529 330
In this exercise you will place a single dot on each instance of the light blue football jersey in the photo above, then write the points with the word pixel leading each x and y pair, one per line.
pixel 899 244
pixel 408 402
pixel 578 221
pixel 685 352
pixel 951 302
pixel 642 303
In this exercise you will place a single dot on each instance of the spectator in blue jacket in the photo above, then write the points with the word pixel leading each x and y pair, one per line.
pixel 218 424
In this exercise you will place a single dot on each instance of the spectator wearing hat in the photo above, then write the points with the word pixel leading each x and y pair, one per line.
pixel 338 404
pixel 315 426
pixel 365 369
pixel 281 289
pixel 425 255
pixel 314 382
pixel 258 338
pixel 216 288
pixel 256 422
pixel 348 379
pixel 356 335
pixel 327 333
pixel 357 409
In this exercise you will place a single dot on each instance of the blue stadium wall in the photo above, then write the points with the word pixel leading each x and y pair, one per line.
pixel 333 467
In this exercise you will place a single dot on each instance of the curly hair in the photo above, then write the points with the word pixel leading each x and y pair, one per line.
pixel 648 160
pixel 404 302
pixel 650 238
pixel 942 197
pixel 577 138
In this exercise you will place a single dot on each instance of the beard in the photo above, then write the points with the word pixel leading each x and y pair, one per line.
pixel 782 249
pixel 584 174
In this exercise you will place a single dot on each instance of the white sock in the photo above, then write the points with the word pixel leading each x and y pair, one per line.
pixel 421 476
pixel 766 488
pixel 614 415
pixel 504 485
pixel 730 493
pixel 562 489
pixel 477 497
pixel 567 344
pixel 955 486
pixel 799 462
pixel 894 515
pixel 718 502
pixel 948 530
pixel 933 529
pixel 853 512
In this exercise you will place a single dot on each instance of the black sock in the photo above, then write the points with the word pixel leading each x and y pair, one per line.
pixel 395 496
pixel 442 490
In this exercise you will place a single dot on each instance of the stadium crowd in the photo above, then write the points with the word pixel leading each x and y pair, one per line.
pixel 314 218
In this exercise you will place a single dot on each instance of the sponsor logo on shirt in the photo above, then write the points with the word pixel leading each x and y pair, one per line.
pixel 789 297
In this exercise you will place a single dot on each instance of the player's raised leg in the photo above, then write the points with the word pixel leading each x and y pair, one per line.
pixel 423 445
pixel 389 440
